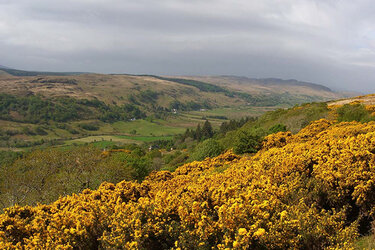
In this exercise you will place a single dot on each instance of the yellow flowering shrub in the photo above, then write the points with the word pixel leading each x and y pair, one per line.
pixel 279 140
pixel 371 109
pixel 311 190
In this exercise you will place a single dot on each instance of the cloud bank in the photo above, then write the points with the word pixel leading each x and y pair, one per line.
pixel 328 42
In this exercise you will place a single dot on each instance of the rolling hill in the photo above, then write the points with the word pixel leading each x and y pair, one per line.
pixel 33 105
pixel 217 91
pixel 272 86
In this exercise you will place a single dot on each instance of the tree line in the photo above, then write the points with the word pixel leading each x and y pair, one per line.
pixel 37 109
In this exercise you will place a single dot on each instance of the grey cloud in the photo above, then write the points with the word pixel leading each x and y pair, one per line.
pixel 328 42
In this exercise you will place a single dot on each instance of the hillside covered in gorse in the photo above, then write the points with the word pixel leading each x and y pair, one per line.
pixel 311 190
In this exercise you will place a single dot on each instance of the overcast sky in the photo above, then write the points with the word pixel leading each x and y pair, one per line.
pixel 327 42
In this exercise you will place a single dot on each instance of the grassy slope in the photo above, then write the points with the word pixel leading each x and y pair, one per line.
pixel 155 130
pixel 116 89
pixel 272 86
pixel 111 88
pixel 365 99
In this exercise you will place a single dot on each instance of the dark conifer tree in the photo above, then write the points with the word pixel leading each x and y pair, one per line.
pixel 207 131
pixel 198 133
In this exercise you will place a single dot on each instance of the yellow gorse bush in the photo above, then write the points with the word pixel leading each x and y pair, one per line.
pixel 311 190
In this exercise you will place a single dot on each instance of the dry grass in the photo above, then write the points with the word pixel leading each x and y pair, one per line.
pixel 109 88
pixel 254 87
pixel 366 100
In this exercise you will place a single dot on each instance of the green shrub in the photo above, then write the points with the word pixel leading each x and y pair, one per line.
pixel 248 141
pixel 207 148
pixel 277 128
pixel 177 161
pixel 89 126
pixel 353 112
pixel 28 131
pixel 40 131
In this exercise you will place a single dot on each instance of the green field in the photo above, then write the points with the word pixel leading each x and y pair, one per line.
pixel 234 112
pixel 145 138
pixel 147 128
pixel 122 132
pixel 109 140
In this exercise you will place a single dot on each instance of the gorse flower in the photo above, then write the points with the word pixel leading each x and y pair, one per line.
pixel 309 190
pixel 260 232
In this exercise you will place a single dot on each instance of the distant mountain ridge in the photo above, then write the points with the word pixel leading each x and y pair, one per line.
pixel 3 67
pixel 19 72
pixel 278 81
pixel 239 79
pixel 274 86
pixel 271 81
pixel 249 90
